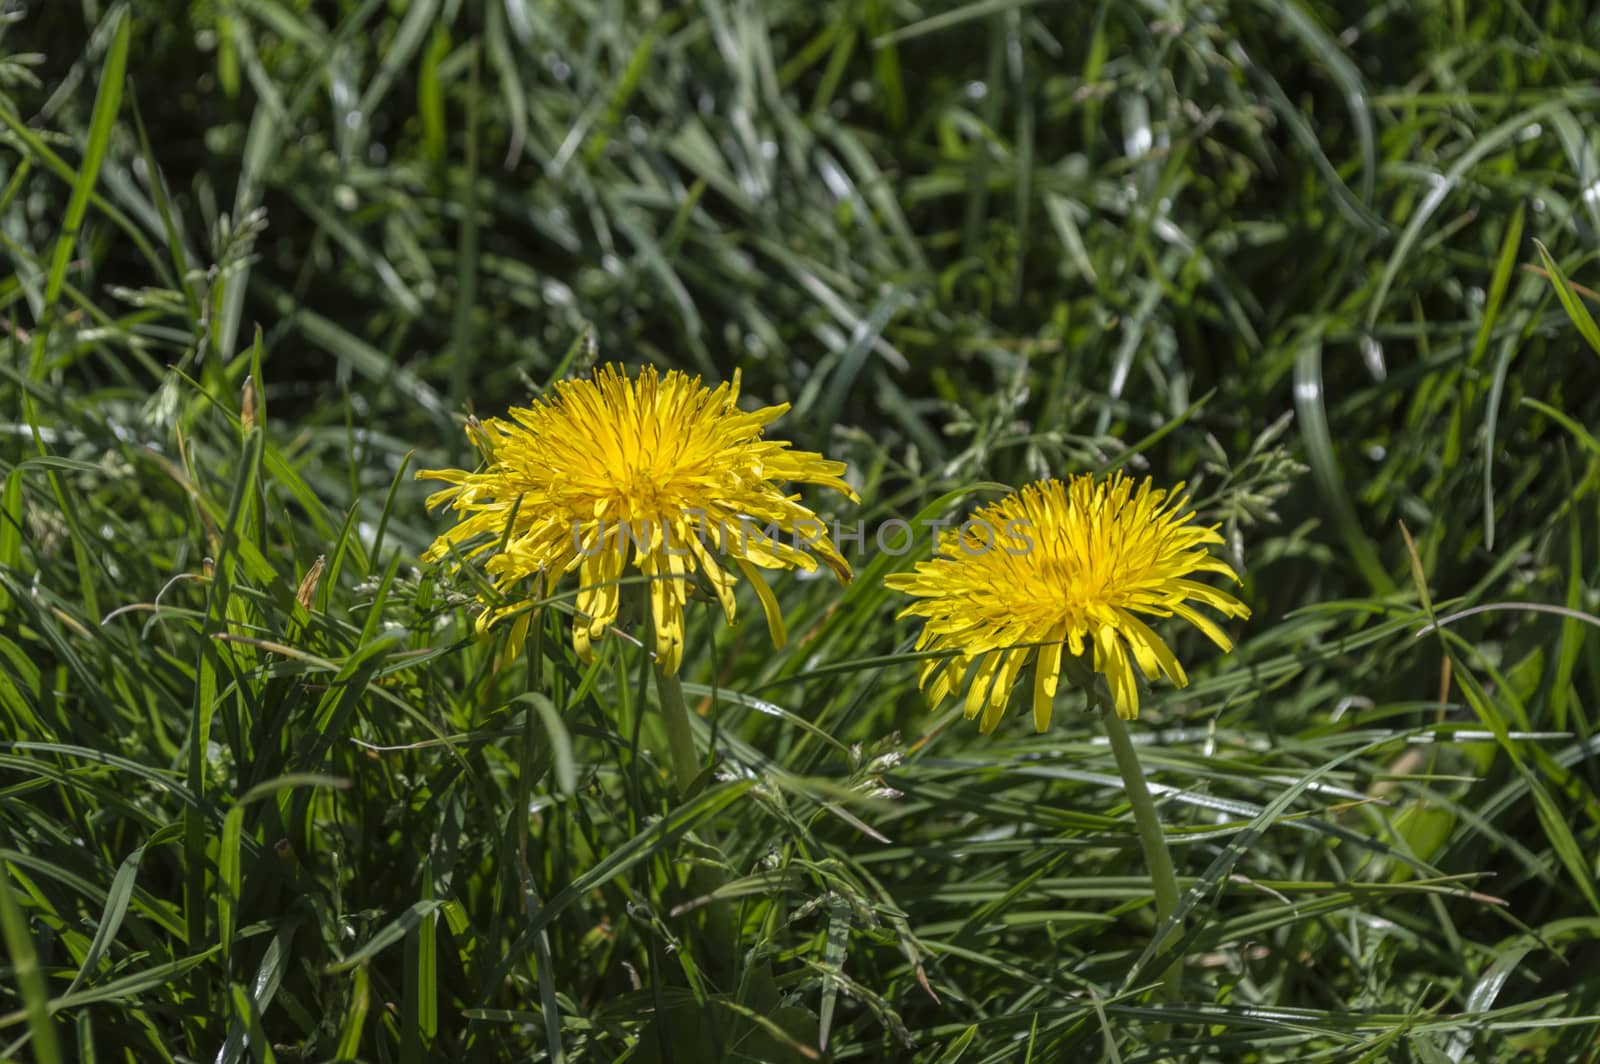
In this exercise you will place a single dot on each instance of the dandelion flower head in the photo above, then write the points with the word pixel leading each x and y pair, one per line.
pixel 1058 567
pixel 660 473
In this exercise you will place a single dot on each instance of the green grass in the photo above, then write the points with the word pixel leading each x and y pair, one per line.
pixel 1284 252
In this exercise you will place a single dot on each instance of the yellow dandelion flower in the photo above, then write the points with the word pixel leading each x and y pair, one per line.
pixel 661 473
pixel 1063 565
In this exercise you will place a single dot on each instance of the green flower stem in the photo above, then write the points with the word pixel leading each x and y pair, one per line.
pixel 680 740
pixel 1153 842
pixel 721 935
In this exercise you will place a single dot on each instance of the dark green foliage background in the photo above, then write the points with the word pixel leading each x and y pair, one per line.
pixel 1282 251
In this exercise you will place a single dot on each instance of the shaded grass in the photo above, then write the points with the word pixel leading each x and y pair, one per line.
pixel 267 797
